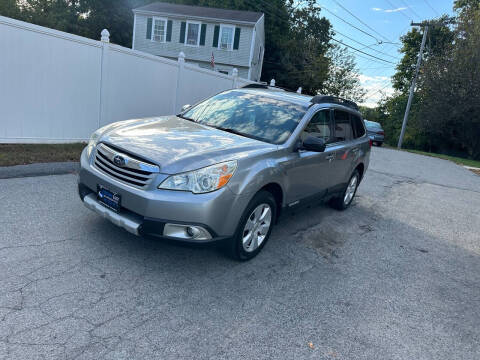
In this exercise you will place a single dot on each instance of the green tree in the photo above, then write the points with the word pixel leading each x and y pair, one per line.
pixel 10 8
pixel 342 79
pixel 451 93
pixel 439 37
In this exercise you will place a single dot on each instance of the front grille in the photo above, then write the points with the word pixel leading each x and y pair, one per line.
pixel 135 172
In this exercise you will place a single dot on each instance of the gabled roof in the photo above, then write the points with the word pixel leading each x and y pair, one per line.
pixel 201 11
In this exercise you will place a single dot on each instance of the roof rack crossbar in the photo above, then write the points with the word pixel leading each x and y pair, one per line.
pixel 320 99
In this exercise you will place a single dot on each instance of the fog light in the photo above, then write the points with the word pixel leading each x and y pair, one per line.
pixel 192 232
pixel 189 232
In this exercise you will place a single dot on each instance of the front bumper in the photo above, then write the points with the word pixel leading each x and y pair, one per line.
pixel 146 211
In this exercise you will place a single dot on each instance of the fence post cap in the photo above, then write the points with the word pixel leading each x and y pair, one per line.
pixel 181 57
pixel 272 82
pixel 105 35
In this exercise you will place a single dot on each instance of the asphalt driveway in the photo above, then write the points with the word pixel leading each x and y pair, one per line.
pixel 397 276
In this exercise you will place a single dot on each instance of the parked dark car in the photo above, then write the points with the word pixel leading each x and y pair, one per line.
pixel 375 132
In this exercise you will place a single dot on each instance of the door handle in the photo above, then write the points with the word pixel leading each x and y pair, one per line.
pixel 330 157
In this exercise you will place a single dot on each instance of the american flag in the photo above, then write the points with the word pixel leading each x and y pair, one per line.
pixel 212 61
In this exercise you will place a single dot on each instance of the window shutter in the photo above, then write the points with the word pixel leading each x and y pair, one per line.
pixel 149 28
pixel 236 41
pixel 183 26
pixel 216 33
pixel 203 33
pixel 169 30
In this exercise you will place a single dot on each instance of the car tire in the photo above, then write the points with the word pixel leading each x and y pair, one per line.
pixel 243 248
pixel 343 202
pixel 379 143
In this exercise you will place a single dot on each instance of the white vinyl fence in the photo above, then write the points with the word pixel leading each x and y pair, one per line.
pixel 58 87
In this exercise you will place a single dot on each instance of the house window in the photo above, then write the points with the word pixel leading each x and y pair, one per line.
pixel 159 29
pixel 226 37
pixel 193 34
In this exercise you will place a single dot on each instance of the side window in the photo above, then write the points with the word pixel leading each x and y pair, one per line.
pixel 343 127
pixel 319 126
pixel 357 126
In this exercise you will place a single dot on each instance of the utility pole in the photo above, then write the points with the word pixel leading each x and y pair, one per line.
pixel 414 82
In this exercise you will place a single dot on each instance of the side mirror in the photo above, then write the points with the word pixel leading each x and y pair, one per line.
pixel 185 107
pixel 312 143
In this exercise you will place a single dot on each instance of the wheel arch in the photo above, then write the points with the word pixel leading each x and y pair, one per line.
pixel 361 169
pixel 276 190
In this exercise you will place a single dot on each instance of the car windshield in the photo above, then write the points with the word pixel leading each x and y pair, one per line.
pixel 372 124
pixel 249 114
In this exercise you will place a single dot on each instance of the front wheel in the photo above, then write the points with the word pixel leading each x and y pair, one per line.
pixel 342 202
pixel 254 227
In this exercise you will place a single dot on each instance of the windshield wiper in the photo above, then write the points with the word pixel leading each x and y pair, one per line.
pixel 233 131
pixel 185 117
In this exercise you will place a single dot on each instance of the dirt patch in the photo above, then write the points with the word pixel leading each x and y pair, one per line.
pixel 22 154
pixel 475 171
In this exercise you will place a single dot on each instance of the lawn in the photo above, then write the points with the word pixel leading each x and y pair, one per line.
pixel 20 154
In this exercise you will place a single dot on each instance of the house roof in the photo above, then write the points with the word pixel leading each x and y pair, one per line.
pixel 201 11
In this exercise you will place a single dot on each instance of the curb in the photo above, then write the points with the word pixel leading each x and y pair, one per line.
pixel 39 169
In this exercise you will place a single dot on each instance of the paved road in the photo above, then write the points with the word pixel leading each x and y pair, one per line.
pixel 397 276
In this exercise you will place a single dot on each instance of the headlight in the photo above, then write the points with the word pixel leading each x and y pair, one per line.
pixel 203 180
pixel 94 139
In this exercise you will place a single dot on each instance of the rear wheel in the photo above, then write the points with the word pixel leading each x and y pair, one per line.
pixel 342 202
pixel 379 143
pixel 254 227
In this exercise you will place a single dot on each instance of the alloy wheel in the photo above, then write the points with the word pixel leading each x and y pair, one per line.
pixel 256 228
pixel 351 188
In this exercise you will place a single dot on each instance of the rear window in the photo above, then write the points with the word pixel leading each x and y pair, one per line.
pixel 372 124
pixel 358 126
pixel 343 127
pixel 251 114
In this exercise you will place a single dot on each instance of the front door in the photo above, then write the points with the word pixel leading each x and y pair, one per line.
pixel 308 172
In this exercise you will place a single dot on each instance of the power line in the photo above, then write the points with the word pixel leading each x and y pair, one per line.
pixel 401 12
pixel 360 51
pixel 332 38
pixel 345 21
pixel 365 46
pixel 431 7
pixel 410 9
pixel 376 92
pixel 360 20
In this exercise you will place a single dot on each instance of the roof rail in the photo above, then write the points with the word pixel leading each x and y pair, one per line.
pixel 255 86
pixel 320 99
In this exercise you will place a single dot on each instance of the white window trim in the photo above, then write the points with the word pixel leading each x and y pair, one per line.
pixel 223 26
pixel 199 32
pixel 165 20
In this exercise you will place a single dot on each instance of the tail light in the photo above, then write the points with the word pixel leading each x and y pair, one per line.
pixel 381 133
pixel 370 142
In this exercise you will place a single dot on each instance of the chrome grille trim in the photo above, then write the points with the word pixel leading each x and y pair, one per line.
pixel 134 172
pixel 131 164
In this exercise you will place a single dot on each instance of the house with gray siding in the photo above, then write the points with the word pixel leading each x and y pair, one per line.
pixel 231 38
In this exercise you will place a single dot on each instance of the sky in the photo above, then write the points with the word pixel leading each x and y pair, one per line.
pixel 384 21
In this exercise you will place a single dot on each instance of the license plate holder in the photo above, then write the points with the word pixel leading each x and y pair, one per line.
pixel 108 198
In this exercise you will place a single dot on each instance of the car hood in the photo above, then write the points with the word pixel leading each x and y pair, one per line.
pixel 177 145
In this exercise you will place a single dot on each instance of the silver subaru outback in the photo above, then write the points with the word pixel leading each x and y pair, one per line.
pixel 226 168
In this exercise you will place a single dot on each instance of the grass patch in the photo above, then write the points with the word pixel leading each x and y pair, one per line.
pixel 21 154
pixel 457 160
